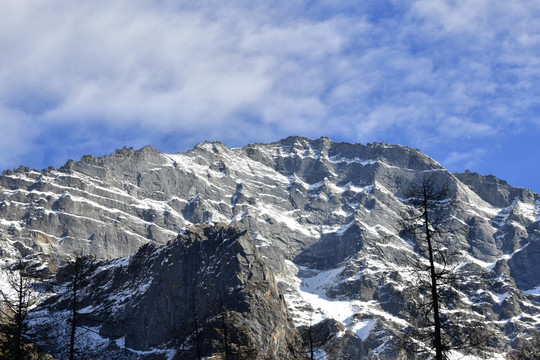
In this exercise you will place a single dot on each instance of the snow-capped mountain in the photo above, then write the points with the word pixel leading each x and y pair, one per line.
pixel 323 219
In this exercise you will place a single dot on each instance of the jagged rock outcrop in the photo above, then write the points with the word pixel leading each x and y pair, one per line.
pixel 517 222
pixel 147 305
pixel 495 191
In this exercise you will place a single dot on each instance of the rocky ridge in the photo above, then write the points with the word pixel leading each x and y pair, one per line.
pixel 149 305
pixel 323 215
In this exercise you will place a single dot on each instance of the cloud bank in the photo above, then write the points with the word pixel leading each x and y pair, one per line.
pixel 80 76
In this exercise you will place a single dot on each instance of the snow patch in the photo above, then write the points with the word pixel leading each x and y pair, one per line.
pixel 363 328
pixel 168 353
pixel 501 218
pixel 309 303
pixel 121 342
pixel 491 265
pixel 534 291
pixel 499 298
pixel 355 160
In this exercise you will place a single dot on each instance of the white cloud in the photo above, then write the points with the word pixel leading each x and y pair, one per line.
pixel 455 16
pixel 465 160
pixel 428 73
pixel 125 64
pixel 312 40
pixel 16 132
pixel 455 127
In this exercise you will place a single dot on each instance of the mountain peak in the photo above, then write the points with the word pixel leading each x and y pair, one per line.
pixel 324 217
pixel 494 190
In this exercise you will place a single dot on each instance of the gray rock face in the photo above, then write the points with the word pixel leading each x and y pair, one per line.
pixel 323 215
pixel 495 191
pixel 151 300
pixel 111 205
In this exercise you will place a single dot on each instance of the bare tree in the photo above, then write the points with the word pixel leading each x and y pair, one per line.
pixel 80 275
pixel 74 309
pixel 320 340
pixel 190 334
pixel 226 328
pixel 438 322
pixel 17 302
pixel 197 334
pixel 317 339
pixel 234 342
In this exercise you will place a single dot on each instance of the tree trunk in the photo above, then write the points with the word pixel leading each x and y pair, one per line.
pixel 437 340
pixel 74 311
pixel 19 319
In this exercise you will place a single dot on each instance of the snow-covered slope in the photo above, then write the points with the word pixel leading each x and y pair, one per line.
pixel 323 215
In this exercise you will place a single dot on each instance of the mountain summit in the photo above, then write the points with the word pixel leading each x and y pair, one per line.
pixel 315 232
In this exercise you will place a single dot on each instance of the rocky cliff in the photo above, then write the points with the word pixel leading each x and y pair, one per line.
pixel 153 303
pixel 324 216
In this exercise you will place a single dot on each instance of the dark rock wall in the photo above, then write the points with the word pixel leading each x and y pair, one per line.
pixel 152 299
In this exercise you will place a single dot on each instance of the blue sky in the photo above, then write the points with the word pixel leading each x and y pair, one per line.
pixel 457 79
